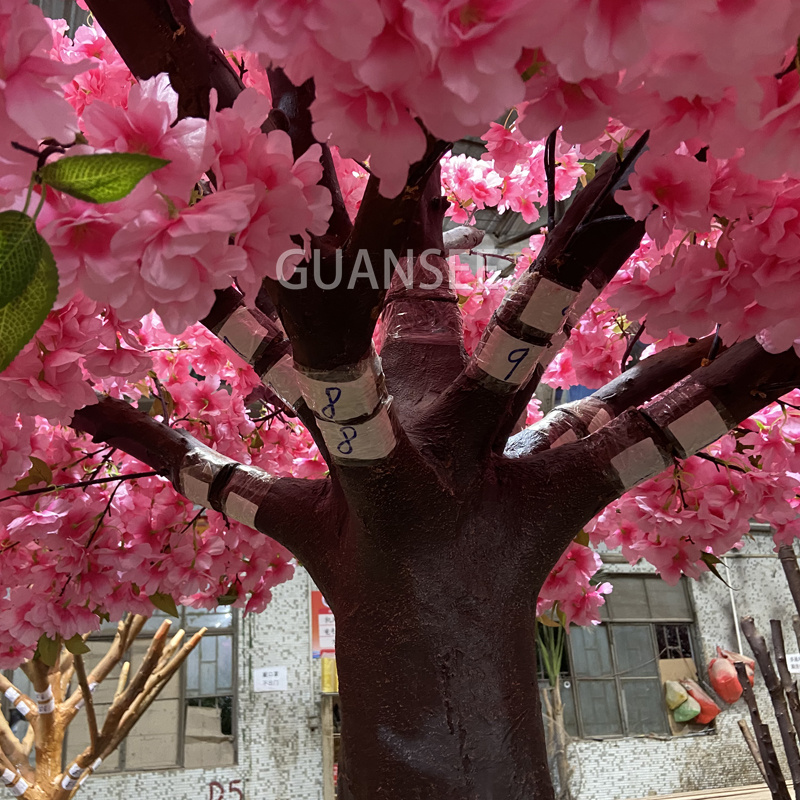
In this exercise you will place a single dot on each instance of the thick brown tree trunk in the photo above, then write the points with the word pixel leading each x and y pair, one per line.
pixel 436 652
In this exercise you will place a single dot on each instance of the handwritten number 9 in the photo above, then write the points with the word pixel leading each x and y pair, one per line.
pixel 516 357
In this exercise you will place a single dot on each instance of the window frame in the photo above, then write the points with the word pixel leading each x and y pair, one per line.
pixel 651 622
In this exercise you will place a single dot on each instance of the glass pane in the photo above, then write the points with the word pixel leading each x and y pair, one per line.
pixel 633 648
pixel 193 672
pixel 224 662
pixel 674 641
pixel 568 701
pixel 221 617
pixel 599 708
pixel 644 706
pixel 628 600
pixel 668 602
pixel 590 651
pixel 153 741
pixel 208 648
pixel 208 678
pixel 209 732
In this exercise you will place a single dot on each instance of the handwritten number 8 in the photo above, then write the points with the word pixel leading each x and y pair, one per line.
pixel 345 447
pixel 334 394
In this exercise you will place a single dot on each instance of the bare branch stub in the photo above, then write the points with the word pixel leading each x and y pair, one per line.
pixel 766 747
pixel 155 36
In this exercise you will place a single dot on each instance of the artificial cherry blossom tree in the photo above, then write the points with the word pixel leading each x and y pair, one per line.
pixel 203 252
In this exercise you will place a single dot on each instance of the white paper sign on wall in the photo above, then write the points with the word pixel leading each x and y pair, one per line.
pixel 270 679
pixel 793 662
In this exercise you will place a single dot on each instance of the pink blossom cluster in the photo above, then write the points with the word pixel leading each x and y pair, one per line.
pixel 32 104
pixel 71 556
pixel 569 587
pixel 516 182
pixel 705 507
pixel 456 65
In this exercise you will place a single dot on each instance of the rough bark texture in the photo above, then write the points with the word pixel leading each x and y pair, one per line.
pixel 432 556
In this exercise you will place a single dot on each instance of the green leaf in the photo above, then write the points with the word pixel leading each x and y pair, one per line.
pixel 38 473
pixel 48 649
pixel 100 178
pixel 711 561
pixel 22 317
pixel 582 538
pixel 229 598
pixel 20 253
pixel 163 602
pixel 76 645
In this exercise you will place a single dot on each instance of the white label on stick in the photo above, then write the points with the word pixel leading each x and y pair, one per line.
pixel 75 771
pixel 243 333
pixel 282 377
pixel 241 510
pixel 341 400
pixel 367 441
pixel 639 462
pixel 194 489
pixel 96 763
pixel 8 776
pixel 47 708
pixel 11 693
pixel 19 788
pixel 548 305
pixel 45 701
pixel 698 428
pixel 506 358
pixel 68 783
pixel 23 708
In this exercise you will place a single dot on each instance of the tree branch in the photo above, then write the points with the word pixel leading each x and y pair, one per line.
pixel 422 350
pixel 155 36
pixel 86 691
pixel 292 511
pixel 641 443
pixel 583 252
pixel 644 380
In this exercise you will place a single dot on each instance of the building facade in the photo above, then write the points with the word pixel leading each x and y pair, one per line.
pixel 248 717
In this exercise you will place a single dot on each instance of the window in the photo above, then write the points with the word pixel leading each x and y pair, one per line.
pixel 192 722
pixel 614 684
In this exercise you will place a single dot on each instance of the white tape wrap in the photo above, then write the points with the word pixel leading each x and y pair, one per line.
pixel 194 489
pixel 602 417
pixel 96 764
pixel 341 400
pixel 698 428
pixel 23 708
pixel 243 333
pixel 8 776
pixel 566 438
pixel 282 377
pixel 19 788
pixel 639 462
pixel 79 704
pixel 45 701
pixel 68 783
pixel 12 694
pixel 240 509
pixel 366 441
pixel 548 305
pixel 508 359
pixel 587 295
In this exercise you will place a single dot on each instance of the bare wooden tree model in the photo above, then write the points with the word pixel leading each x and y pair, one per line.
pixel 54 707
pixel 782 690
